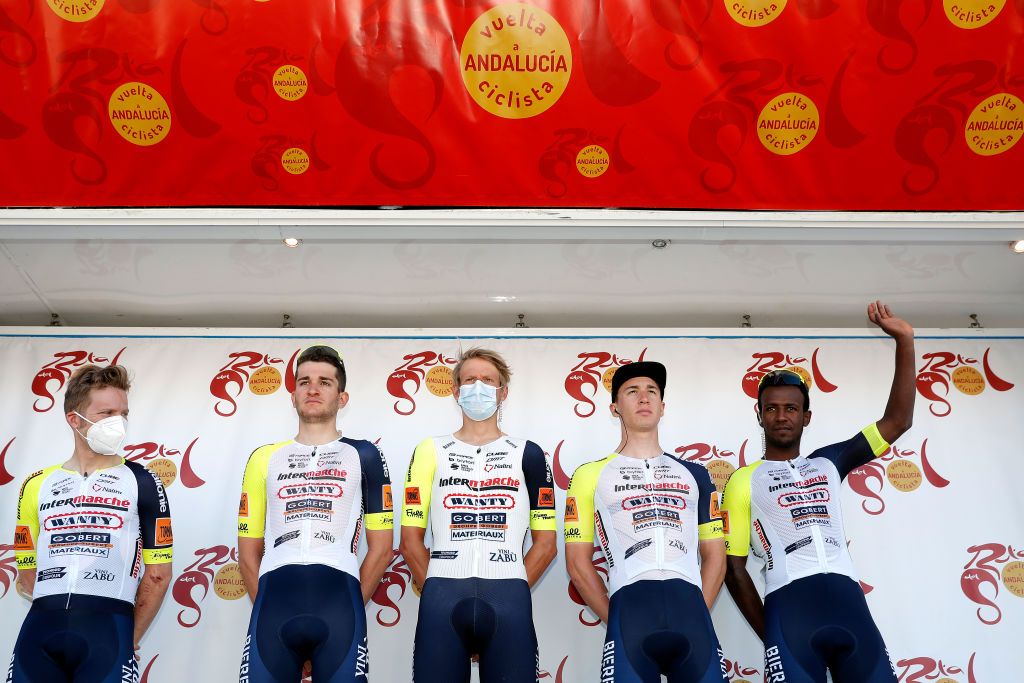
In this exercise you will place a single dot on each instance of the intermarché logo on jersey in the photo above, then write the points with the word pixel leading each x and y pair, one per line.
pixel 929 670
pixel 256 371
pixel 159 458
pixel 765 362
pixel 897 469
pixel 594 369
pixel 998 567
pixel 52 377
pixel 430 368
pixel 940 369
pixel 215 567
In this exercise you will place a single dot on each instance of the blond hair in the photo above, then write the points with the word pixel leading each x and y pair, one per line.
pixel 492 357
pixel 90 377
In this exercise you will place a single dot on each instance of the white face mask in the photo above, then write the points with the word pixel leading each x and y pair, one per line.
pixel 478 400
pixel 106 436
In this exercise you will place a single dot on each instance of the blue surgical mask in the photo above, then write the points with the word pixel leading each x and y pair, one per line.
pixel 478 400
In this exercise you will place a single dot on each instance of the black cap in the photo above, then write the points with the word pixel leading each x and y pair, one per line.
pixel 643 368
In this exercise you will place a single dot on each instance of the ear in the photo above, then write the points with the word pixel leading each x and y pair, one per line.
pixel 503 394
pixel 757 414
pixel 73 421
pixel 342 400
pixel 613 409
pixel 807 417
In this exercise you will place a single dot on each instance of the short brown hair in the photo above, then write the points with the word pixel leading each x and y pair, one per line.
pixel 492 357
pixel 325 354
pixel 90 377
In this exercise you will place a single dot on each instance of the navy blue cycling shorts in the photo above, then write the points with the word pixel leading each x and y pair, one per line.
pixel 85 640
pixel 302 613
pixel 459 618
pixel 822 622
pixel 658 628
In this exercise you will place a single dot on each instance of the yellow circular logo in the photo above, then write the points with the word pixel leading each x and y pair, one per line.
pixel 903 475
pixel 516 61
pixel 592 161
pixel 968 380
pixel 803 373
pixel 295 160
pixel 228 583
pixel 139 114
pixel 76 10
pixel 1013 577
pixel 606 378
pixel 439 380
pixel 290 82
pixel 754 13
pixel 165 469
pixel 972 13
pixel 788 123
pixel 995 125
pixel 265 381
pixel 720 471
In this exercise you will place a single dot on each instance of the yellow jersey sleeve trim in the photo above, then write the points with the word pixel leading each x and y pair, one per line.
pixel 419 484
pixel 26 531
pixel 543 520
pixel 878 444
pixel 252 507
pixel 579 501
pixel 710 530
pixel 158 556
pixel 380 521
pixel 736 511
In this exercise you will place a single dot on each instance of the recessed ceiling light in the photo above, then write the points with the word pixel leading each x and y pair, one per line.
pixel 1017 246
pixel 659 244
pixel 292 242
pixel 502 299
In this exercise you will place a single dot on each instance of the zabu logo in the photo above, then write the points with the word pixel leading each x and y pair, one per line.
pixel 216 567
pixel 736 673
pixel 899 467
pixel 777 360
pixel 924 669
pixel 397 574
pixel 596 368
pixel 719 462
pixel 260 372
pixel 600 564
pixel 52 377
pixel 992 564
pixel 5 476
pixel 159 459
pixel 8 568
pixel 438 378
pixel 942 368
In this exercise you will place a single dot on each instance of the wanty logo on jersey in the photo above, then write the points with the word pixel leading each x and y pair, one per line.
pixel 899 467
pixel 942 368
pixel 259 372
pixel 8 568
pixel 159 459
pixel 217 568
pixel 600 564
pixel 397 574
pixel 425 367
pixel 778 360
pixel 596 368
pixel 992 564
pixel 52 377
pixel 929 670
pixel 719 462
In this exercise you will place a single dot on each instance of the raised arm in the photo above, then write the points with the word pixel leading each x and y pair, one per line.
pixel 899 410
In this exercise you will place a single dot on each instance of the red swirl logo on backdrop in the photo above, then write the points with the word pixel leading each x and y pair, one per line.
pixel 147 669
pixel 737 673
pixel 397 574
pixel 719 462
pixel 217 568
pixel 777 360
pixel 944 368
pixel 5 476
pixel 52 377
pixel 438 378
pixel 924 669
pixel 8 568
pixel 596 368
pixel 901 470
pixel 158 459
pixel 992 564
pixel 542 674
pixel 258 371
pixel 600 564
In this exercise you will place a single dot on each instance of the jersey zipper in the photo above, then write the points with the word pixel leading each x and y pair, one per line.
pixel 478 475
pixel 819 543
pixel 73 583
pixel 659 532
pixel 307 524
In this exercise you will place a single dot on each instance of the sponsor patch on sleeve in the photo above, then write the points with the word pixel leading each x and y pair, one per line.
pixel 388 502
pixel 571 512
pixel 23 538
pixel 412 495
pixel 546 498
pixel 243 505
pixel 164 534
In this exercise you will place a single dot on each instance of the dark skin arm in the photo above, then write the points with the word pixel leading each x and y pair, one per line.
pixel 899 410
pixel 744 593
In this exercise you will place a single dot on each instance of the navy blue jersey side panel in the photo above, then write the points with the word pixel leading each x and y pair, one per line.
pixel 705 489
pixel 154 508
pixel 537 474
pixel 376 482
pixel 847 455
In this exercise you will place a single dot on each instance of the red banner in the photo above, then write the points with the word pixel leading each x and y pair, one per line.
pixel 755 104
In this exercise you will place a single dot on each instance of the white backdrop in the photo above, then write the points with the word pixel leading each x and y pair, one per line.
pixel 936 527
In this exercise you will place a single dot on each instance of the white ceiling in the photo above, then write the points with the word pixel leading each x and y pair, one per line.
pixel 402 269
